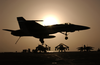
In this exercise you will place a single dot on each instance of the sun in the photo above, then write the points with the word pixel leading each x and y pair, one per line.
pixel 50 21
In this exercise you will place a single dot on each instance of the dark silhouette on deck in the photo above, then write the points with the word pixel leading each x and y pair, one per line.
pixel 62 47
pixel 98 49
pixel 26 51
pixel 56 58
pixel 32 28
pixel 85 48
pixel 41 48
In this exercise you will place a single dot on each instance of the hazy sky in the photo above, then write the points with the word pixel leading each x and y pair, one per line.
pixel 80 12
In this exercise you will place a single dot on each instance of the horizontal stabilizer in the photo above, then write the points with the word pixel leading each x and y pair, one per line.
pixel 21 19
pixel 7 30
pixel 49 36
pixel 37 20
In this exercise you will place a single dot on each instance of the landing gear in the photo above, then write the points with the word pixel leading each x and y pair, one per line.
pixel 41 40
pixel 66 38
pixel 65 35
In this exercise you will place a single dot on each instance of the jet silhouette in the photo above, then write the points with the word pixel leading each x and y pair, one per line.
pixel 85 48
pixel 32 28
pixel 61 47
pixel 42 48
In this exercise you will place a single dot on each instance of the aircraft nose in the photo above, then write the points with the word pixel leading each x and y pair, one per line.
pixel 84 27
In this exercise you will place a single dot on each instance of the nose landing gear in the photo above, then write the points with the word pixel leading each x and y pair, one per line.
pixel 65 35
pixel 66 38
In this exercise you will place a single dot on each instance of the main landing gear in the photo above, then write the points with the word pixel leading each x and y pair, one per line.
pixel 41 40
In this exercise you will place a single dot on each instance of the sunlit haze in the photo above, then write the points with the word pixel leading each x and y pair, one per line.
pixel 50 21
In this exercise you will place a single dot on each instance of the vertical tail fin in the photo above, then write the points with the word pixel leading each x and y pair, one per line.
pixel 21 22
pixel 21 19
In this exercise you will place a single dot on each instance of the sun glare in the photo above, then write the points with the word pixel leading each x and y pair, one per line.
pixel 50 21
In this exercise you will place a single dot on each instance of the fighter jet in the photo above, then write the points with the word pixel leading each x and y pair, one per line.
pixel 32 28
pixel 85 48
pixel 61 47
